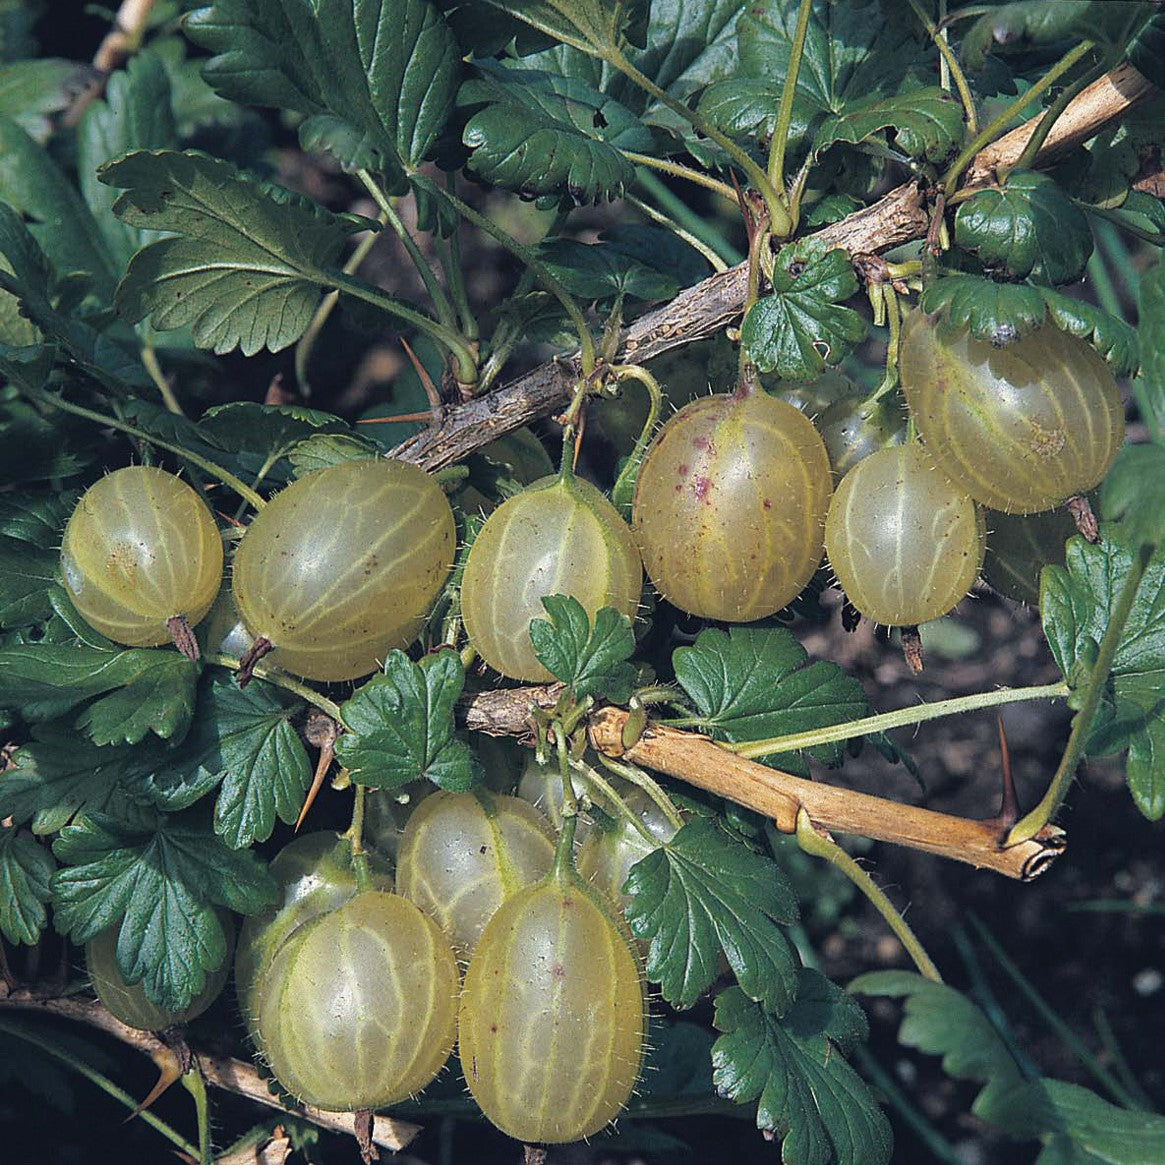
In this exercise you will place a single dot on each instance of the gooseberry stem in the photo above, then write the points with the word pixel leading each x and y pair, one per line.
pixel 154 369
pixel 893 310
pixel 884 721
pixel 652 788
pixel 1051 801
pixel 355 836
pixel 564 850
pixel 694 241
pixel 819 844
pixel 951 70
pixel 1066 97
pixel 227 478
pixel 780 142
pixel 284 681
pixel 625 483
pixel 612 800
pixel 193 1082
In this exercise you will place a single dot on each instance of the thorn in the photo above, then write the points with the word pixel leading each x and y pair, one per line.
pixel 1081 510
pixel 912 649
pixel 320 731
pixel 436 408
pixel 169 1070
pixel 1008 813
pixel 276 394
pixel 580 428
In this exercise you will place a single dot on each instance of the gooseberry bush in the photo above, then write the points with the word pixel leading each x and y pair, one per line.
pixel 506 797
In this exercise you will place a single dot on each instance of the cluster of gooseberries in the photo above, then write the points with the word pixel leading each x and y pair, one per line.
pixel 351 985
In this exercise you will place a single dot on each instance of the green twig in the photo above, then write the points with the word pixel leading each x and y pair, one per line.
pixel 449 338
pixel 455 275
pixel 281 680
pixel 611 801
pixel 624 482
pixel 820 845
pixel 1120 1063
pixel 1054 1021
pixel 780 141
pixel 209 467
pixel 886 720
pixel 694 241
pixel 679 170
pixel 355 836
pixel 307 341
pixel 1030 825
pixel 782 224
pixel 441 301
pixel 1067 95
pixel 150 363
pixel 530 258
pixel 47 1044
pixel 1003 119
pixel 951 65
pixel 637 777
pixel 193 1082
pixel 696 224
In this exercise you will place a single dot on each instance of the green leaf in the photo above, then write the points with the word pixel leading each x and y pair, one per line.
pixel 604 270
pixel 35 449
pixel 375 79
pixel 32 183
pixel 1133 492
pixel 854 56
pixel 25 870
pixel 1150 390
pixel 802 326
pixel 1028 226
pixel 943 1022
pixel 587 24
pixel 1115 340
pixel 35 518
pixel 31 91
pixel 58 774
pixel 25 575
pixel 1078 1127
pixel 1076 603
pixel 401 725
pixel 1147 52
pixel 995 312
pixel 539 133
pixel 923 123
pixel 161 885
pixel 808 1095
pixel 324 449
pixel 591 662
pixel 268 432
pixel 750 683
pixel 705 892
pixel 135 115
pixel 246 267
pixel 142 690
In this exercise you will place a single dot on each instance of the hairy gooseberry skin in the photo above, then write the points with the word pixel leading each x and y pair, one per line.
pixel 343 566
pixel 852 430
pixel 463 854
pixel 359 1008
pixel 730 506
pixel 905 542
pixel 559 536
pixel 129 1002
pixel 553 1014
pixel 140 548
pixel 314 874
pixel 1019 428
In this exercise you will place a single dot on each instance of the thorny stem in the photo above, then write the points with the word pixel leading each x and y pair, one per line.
pixel 780 142
pixel 48 1045
pixel 782 224
pixel 307 341
pixel 819 844
pixel 885 721
pixel 1001 121
pixel 530 258
pixel 1030 825
pixel 209 467
pixel 679 170
pixel 441 301
pixel 950 64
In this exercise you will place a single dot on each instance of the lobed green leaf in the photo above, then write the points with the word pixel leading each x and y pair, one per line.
pixel 1150 390
pixel 597 25
pixel 803 325
pixel 26 573
pixel 245 268
pixel 32 91
pixel 705 892
pixel 590 661
pixel 794 1067
pixel 923 123
pixel 401 726
pixel 25 870
pixel 161 885
pixel 750 683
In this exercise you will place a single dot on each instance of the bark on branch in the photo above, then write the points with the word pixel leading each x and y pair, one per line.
pixel 222 1072
pixel 701 762
pixel 702 311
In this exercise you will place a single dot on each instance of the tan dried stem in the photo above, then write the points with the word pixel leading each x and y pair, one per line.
pixel 223 1072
